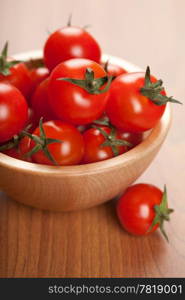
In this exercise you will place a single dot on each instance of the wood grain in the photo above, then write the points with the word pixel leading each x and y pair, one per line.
pixel 89 243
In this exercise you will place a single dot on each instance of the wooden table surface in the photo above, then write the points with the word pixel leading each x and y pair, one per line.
pixel 91 243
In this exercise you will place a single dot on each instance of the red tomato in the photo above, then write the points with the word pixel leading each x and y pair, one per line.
pixel 70 42
pixel 127 108
pixel 32 120
pixel 13 112
pixel 20 151
pixel 14 152
pixel 24 148
pixel 133 138
pixel 94 150
pixel 40 103
pixel 70 102
pixel 37 76
pixel 136 209
pixel 19 77
pixel 114 70
pixel 68 152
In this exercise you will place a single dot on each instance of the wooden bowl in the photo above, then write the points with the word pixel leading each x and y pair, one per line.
pixel 77 187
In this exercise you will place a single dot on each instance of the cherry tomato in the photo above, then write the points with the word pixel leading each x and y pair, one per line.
pixel 127 108
pixel 70 42
pixel 24 148
pixel 94 149
pixel 68 152
pixel 142 209
pixel 32 120
pixel 37 76
pixel 133 138
pixel 14 152
pixel 20 151
pixel 13 111
pixel 19 77
pixel 40 103
pixel 70 102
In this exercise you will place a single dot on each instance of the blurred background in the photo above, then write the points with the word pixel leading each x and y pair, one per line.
pixel 144 32
pixel 141 31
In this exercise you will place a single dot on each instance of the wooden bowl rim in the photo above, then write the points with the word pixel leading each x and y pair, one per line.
pixel 147 145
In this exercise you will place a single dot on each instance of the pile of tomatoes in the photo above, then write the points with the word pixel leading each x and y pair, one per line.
pixel 70 108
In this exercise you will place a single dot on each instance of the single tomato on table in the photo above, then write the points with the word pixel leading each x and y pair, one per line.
pixel 78 91
pixel 143 208
pixel 136 101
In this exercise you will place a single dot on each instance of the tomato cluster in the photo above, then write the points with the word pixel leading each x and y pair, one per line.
pixel 71 92
pixel 71 108
pixel 55 110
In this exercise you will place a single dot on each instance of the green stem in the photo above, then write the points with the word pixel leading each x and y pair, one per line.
pixel 14 142
pixel 6 65
pixel 162 213
pixel 153 91
pixel 90 84
pixel 41 143
pixel 69 20
pixel 111 140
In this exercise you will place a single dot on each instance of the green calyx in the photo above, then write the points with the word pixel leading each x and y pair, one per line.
pixel 111 140
pixel 90 84
pixel 11 144
pixel 14 142
pixel 162 213
pixel 153 91
pixel 5 65
pixel 104 121
pixel 41 143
